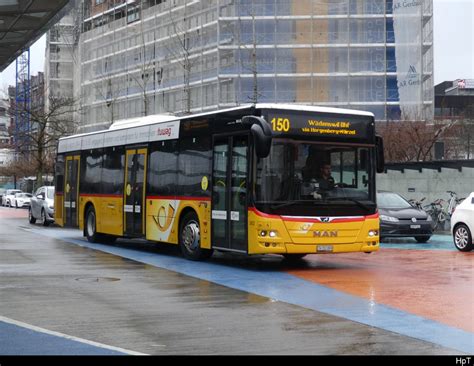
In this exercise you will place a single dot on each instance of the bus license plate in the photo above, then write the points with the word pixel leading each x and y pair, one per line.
pixel 415 226
pixel 324 248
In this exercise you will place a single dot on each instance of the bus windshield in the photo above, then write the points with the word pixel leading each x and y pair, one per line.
pixel 315 179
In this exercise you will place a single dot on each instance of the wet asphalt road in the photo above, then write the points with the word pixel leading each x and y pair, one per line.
pixel 76 291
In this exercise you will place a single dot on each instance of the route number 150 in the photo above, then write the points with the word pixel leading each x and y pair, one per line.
pixel 281 124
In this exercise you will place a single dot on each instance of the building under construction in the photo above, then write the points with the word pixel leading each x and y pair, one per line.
pixel 140 57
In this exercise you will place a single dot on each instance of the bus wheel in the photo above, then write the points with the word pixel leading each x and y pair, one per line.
pixel 190 238
pixel 90 226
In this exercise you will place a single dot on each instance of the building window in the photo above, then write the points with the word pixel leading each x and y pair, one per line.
pixel 133 14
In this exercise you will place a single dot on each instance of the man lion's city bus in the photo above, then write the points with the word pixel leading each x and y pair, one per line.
pixel 246 180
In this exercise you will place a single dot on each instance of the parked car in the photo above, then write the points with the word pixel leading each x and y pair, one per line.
pixel 398 218
pixel 2 193
pixel 21 200
pixel 462 224
pixel 8 196
pixel 42 206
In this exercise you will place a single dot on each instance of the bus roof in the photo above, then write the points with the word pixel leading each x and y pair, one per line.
pixel 161 118
pixel 170 123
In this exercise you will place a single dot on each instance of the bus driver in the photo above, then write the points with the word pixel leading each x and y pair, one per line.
pixel 325 180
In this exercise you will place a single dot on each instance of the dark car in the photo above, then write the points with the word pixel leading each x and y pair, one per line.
pixel 398 218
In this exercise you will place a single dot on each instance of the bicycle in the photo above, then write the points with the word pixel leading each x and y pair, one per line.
pixel 441 213
pixel 436 211
pixel 453 202
pixel 416 203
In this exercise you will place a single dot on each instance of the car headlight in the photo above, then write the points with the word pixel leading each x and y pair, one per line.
pixel 388 218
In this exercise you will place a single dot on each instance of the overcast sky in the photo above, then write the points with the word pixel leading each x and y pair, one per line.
pixel 453 40
pixel 453 44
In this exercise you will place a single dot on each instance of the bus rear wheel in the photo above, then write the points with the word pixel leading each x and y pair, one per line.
pixel 190 238
pixel 90 225
pixel 90 229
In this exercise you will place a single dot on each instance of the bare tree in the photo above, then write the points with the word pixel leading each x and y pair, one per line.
pixel 406 141
pixel 181 48
pixel 107 89
pixel 20 167
pixel 147 63
pixel 467 130
pixel 38 143
pixel 248 59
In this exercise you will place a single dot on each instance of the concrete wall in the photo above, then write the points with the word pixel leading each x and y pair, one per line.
pixel 429 183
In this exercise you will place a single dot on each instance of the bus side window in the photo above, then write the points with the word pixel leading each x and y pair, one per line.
pixel 113 171
pixel 162 168
pixel 91 171
pixel 194 163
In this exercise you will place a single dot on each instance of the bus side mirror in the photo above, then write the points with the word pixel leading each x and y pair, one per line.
pixel 379 154
pixel 262 134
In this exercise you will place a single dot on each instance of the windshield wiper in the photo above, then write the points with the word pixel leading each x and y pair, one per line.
pixel 357 202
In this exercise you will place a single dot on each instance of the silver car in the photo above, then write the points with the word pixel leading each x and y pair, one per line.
pixel 42 206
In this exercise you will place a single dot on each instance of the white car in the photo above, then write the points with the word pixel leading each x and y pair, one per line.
pixel 21 200
pixel 8 197
pixel 462 224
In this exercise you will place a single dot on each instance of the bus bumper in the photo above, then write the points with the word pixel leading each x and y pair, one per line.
pixel 292 248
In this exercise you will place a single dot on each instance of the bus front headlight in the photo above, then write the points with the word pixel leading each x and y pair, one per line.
pixel 373 233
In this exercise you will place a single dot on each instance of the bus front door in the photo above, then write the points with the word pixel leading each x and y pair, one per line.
pixel 71 191
pixel 229 199
pixel 134 199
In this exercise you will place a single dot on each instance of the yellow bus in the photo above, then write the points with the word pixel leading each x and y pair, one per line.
pixel 256 179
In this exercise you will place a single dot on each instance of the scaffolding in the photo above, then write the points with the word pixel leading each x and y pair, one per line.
pixel 22 101
pixel 140 57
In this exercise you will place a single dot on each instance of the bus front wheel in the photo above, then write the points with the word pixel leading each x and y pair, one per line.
pixel 190 238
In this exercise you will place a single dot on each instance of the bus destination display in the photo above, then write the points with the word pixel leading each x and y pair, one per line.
pixel 319 125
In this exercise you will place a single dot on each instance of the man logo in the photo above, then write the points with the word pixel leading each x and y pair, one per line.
pixel 325 219
pixel 325 234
